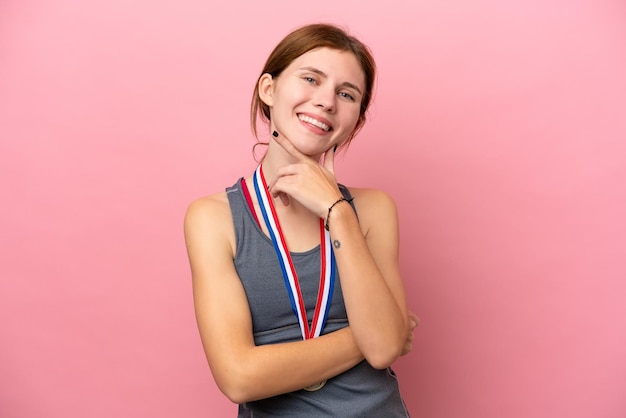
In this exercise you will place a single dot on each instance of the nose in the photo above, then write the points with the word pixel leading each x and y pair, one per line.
pixel 325 99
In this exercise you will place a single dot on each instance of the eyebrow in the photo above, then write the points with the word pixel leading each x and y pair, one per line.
pixel 323 74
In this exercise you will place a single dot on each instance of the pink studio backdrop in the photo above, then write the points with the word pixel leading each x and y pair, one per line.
pixel 499 127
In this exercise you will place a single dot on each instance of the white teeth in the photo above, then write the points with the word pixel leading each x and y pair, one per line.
pixel 314 122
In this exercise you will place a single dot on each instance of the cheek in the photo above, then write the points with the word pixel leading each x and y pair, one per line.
pixel 353 119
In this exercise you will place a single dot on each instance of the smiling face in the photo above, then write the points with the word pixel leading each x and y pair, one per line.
pixel 316 101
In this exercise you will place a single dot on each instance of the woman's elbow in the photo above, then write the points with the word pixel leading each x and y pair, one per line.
pixel 235 396
pixel 384 356
pixel 235 385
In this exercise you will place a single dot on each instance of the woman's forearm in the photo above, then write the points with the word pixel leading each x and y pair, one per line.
pixel 273 369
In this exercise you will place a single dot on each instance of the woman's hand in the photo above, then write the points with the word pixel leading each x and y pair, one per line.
pixel 310 183
pixel 413 323
pixel 366 252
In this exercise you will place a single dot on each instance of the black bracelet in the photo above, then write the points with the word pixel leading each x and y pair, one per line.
pixel 331 208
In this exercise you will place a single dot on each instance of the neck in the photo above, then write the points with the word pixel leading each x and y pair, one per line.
pixel 277 157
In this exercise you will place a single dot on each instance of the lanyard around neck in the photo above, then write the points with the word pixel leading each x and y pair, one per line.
pixel 327 264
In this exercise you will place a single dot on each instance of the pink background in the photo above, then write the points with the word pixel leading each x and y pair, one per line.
pixel 498 126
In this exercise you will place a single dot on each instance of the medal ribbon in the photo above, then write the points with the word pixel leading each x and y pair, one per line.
pixel 327 264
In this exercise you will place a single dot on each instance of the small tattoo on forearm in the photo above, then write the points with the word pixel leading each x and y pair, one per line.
pixel 336 243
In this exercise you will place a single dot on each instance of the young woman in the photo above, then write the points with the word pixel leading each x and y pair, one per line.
pixel 296 283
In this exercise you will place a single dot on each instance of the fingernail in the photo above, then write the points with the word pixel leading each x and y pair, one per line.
pixel 335 149
pixel 275 134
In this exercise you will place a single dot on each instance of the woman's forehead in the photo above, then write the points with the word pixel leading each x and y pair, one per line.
pixel 334 63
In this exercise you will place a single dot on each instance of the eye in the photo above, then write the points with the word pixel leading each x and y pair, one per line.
pixel 309 80
pixel 346 95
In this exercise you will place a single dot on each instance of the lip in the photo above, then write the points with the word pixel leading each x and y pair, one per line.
pixel 319 118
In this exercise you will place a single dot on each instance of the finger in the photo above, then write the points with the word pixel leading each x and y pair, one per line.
pixel 284 198
pixel 286 144
pixel 407 348
pixel 282 173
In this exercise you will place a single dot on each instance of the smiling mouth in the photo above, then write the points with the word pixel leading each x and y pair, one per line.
pixel 314 122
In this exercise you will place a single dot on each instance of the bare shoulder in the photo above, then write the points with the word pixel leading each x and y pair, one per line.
pixel 213 204
pixel 209 218
pixel 372 201
pixel 208 210
pixel 374 207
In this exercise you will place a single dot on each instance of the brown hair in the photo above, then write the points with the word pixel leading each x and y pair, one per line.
pixel 303 40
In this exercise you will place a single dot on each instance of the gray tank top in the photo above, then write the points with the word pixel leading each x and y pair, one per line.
pixel 359 392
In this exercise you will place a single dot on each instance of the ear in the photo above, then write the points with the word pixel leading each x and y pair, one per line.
pixel 266 89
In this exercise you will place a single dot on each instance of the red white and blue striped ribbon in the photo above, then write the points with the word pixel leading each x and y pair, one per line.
pixel 327 267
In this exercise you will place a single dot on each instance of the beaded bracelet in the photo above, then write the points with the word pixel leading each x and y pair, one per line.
pixel 331 208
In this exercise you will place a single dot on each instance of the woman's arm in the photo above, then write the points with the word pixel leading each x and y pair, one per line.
pixel 366 251
pixel 243 371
